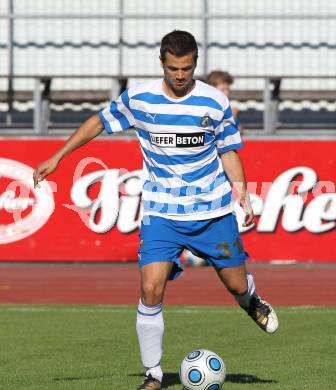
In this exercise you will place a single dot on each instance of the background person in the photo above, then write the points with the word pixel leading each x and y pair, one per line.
pixel 223 80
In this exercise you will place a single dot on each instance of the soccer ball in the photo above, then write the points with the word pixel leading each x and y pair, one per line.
pixel 202 370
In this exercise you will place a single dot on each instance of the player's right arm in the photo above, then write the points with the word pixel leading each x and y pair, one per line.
pixel 115 117
pixel 86 132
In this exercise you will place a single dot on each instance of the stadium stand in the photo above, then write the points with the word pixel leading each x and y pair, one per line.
pixel 290 44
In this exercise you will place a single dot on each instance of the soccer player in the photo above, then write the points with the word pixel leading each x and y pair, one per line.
pixel 187 135
pixel 223 81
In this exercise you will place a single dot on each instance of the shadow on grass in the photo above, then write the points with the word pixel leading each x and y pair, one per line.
pixel 81 378
pixel 169 379
pixel 247 379
pixel 172 379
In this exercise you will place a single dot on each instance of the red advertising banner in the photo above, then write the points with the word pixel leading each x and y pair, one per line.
pixel 90 208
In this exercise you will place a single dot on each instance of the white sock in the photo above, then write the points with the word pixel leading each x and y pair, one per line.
pixel 156 372
pixel 244 300
pixel 150 329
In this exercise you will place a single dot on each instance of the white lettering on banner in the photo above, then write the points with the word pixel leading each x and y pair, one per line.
pixel 123 211
pixel 9 202
pixel 319 210
pixel 317 216
pixel 277 199
pixel 42 203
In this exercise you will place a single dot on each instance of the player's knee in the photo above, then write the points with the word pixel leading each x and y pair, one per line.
pixel 152 294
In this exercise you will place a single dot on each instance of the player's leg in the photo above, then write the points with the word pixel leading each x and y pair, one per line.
pixel 154 277
pixel 235 279
pixel 242 287
pixel 150 326
pixel 159 253
pixel 220 244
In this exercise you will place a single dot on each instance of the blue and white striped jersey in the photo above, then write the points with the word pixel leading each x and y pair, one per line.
pixel 180 139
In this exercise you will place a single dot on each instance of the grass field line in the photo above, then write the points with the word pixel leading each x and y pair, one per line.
pixel 170 309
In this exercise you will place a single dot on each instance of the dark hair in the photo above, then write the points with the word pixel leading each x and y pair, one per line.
pixel 217 77
pixel 178 43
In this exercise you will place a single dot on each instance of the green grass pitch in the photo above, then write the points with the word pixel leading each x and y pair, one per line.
pixel 95 347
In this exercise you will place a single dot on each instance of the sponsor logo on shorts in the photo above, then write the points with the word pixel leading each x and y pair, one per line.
pixel 182 140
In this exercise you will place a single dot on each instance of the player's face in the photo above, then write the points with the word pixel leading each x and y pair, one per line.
pixel 224 87
pixel 178 74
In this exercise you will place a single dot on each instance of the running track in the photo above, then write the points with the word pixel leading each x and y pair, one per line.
pixel 119 284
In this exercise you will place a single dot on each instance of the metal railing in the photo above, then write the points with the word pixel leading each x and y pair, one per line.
pixel 270 97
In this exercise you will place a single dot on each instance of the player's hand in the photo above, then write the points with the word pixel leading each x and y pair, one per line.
pixel 249 214
pixel 43 170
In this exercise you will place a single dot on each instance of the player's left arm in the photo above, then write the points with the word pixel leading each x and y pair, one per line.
pixel 234 169
pixel 228 141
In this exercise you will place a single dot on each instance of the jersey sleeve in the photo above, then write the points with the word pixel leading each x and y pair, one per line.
pixel 227 136
pixel 117 116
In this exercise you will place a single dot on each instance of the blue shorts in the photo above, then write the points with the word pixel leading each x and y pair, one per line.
pixel 216 240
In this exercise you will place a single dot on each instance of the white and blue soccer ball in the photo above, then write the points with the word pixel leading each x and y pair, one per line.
pixel 202 370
